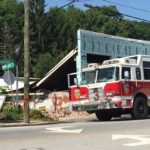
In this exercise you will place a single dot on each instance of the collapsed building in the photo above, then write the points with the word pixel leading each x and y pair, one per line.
pixel 92 47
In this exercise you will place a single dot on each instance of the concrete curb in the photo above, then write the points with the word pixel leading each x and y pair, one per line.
pixel 25 124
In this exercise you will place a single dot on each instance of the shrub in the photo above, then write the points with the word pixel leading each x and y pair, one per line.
pixel 10 112
pixel 36 114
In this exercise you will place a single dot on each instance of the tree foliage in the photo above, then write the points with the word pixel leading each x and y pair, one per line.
pixel 53 33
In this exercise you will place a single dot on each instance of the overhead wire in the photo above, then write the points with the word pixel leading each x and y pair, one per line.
pixel 145 20
pixel 72 1
pixel 147 11
pixel 67 4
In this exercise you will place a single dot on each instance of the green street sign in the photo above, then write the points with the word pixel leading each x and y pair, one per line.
pixel 3 62
pixel 8 66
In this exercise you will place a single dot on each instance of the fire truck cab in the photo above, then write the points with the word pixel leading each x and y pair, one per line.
pixel 118 86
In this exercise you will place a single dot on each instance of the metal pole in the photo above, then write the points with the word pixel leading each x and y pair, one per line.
pixel 17 99
pixel 11 85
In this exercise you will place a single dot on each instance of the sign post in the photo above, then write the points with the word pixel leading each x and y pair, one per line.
pixel 8 76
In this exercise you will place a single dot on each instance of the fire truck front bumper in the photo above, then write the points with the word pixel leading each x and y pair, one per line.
pixel 86 105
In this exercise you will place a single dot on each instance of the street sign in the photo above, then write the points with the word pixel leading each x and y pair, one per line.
pixel 9 77
pixel 8 66
pixel 6 61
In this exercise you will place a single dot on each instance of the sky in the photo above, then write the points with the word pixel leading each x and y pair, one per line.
pixel 139 4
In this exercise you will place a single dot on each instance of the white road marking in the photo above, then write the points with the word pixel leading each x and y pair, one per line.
pixel 142 139
pixel 64 130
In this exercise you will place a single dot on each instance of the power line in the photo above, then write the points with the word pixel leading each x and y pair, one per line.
pixel 145 20
pixel 147 11
pixel 72 1
pixel 148 21
pixel 68 4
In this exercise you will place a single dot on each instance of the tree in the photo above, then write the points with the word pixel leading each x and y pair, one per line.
pixel 37 28
pixel 10 24
pixel 54 33
pixel 7 41
pixel 44 63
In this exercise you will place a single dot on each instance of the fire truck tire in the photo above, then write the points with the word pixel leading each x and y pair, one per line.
pixel 140 108
pixel 103 115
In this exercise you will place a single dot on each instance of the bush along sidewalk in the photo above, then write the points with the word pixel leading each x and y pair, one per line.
pixel 11 113
pixel 36 114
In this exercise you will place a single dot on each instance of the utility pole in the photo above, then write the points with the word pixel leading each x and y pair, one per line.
pixel 26 61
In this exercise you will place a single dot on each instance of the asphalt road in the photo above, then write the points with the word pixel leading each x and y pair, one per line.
pixel 120 134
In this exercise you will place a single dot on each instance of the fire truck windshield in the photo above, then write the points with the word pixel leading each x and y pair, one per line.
pixel 88 77
pixel 108 74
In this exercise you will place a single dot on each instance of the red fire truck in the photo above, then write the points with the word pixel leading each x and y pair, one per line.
pixel 118 86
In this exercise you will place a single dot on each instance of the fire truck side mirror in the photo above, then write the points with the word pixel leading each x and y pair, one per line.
pixel 126 74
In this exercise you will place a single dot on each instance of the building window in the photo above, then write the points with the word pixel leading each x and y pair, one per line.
pixel 136 50
pixel 113 48
pixel 145 51
pixel 129 50
pixel 99 46
pixel 93 47
pixel 126 50
pixel 84 45
pixel 118 49
pixel 106 48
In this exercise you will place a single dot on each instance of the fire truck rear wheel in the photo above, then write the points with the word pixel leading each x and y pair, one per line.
pixel 140 108
pixel 103 115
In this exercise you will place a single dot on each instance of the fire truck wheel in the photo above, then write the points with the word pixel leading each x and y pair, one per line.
pixel 140 108
pixel 103 115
